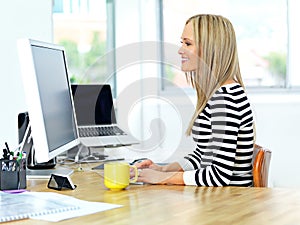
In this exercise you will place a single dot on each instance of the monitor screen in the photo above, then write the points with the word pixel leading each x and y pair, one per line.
pixel 47 91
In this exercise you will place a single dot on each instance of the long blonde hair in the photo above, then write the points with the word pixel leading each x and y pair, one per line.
pixel 218 58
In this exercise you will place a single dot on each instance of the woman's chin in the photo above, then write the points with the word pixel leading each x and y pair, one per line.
pixel 186 70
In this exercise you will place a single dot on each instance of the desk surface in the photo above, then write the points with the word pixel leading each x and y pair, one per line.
pixel 162 204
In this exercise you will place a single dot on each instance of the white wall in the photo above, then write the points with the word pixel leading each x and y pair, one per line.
pixel 278 122
pixel 18 19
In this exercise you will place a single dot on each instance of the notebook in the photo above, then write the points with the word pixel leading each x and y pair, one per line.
pixel 48 206
pixel 96 118
pixel 30 204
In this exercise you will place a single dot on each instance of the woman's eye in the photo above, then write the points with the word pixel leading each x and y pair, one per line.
pixel 186 43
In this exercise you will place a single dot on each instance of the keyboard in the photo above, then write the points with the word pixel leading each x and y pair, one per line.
pixel 100 131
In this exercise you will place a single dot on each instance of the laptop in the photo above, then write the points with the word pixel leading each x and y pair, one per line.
pixel 96 119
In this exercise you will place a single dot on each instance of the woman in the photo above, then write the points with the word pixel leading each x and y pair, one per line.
pixel 222 125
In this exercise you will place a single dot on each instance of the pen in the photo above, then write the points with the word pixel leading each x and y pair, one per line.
pixel 5 154
pixel 20 156
pixel 9 152
pixel 6 145
pixel 5 157
pixel 23 155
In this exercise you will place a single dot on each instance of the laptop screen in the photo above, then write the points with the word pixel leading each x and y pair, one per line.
pixel 93 104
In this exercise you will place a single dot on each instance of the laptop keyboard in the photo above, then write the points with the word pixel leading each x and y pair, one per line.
pixel 100 131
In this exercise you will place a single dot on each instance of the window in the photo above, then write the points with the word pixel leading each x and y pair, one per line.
pixel 80 26
pixel 261 30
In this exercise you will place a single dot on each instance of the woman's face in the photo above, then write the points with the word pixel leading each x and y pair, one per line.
pixel 188 50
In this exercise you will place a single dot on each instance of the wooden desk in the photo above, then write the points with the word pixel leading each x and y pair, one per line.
pixel 156 204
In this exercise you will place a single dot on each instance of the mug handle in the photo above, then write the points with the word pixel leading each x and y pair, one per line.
pixel 136 174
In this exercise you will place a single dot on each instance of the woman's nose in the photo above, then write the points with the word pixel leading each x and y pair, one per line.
pixel 180 50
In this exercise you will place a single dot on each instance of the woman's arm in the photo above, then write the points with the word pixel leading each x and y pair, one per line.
pixel 172 167
pixel 157 177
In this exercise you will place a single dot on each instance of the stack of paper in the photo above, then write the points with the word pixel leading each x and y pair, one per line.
pixel 46 206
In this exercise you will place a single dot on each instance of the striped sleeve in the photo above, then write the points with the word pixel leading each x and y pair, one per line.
pixel 223 133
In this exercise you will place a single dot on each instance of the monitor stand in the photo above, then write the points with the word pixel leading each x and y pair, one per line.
pixel 91 156
pixel 84 154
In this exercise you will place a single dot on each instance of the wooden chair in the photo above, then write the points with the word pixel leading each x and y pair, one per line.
pixel 261 163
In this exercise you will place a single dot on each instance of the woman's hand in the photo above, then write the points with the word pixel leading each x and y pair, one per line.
pixel 151 176
pixel 148 164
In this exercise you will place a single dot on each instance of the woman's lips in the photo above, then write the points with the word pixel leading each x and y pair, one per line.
pixel 183 60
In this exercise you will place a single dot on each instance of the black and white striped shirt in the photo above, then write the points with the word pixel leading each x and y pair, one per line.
pixel 224 135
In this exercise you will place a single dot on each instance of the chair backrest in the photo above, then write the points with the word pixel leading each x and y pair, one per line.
pixel 261 163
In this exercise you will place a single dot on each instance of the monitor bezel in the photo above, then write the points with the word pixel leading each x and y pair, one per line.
pixel 34 104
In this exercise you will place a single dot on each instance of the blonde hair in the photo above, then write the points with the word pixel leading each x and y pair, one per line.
pixel 218 58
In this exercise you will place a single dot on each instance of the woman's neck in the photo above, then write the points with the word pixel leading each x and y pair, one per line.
pixel 229 81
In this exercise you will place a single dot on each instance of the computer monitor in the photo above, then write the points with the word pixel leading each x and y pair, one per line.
pixel 49 99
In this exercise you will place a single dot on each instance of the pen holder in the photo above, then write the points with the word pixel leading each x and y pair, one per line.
pixel 12 174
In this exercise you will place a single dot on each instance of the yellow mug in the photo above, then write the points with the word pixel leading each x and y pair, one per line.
pixel 117 175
